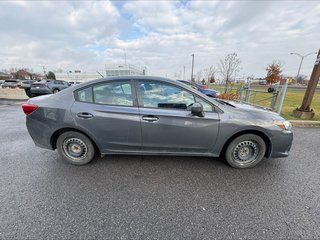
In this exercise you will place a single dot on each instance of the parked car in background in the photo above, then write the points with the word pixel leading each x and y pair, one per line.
pixel 48 86
pixel 11 83
pixel 26 85
pixel 132 115
pixel 1 82
pixel 73 83
pixel 262 82
pixel 200 88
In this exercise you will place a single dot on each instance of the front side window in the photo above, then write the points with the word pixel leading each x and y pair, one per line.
pixel 113 93
pixel 163 95
pixel 110 93
pixel 207 107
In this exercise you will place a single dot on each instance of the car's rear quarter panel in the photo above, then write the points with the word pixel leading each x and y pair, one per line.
pixel 53 113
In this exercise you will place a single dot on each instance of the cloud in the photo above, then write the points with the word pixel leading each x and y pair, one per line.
pixel 159 34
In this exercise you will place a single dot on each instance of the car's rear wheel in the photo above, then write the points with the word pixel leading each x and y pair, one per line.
pixel 55 90
pixel 28 92
pixel 245 151
pixel 75 148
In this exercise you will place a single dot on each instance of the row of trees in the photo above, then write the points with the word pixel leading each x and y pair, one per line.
pixel 25 73
pixel 229 67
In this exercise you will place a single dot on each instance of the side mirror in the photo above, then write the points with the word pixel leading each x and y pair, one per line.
pixel 197 109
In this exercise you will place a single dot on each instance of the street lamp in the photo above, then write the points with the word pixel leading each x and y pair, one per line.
pixel 192 55
pixel 302 58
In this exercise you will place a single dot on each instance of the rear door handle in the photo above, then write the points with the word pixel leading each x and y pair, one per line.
pixel 85 115
pixel 150 118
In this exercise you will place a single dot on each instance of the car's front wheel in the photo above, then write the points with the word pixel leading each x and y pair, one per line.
pixel 75 148
pixel 55 90
pixel 245 151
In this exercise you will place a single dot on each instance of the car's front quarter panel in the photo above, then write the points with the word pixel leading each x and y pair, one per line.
pixel 235 121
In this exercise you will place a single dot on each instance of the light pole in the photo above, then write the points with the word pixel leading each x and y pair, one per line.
pixel 302 58
pixel 184 72
pixel 192 55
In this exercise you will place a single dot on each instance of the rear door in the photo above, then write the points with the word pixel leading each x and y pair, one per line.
pixel 109 113
pixel 167 124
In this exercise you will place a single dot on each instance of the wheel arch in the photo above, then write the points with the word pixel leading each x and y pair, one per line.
pixel 265 138
pixel 56 134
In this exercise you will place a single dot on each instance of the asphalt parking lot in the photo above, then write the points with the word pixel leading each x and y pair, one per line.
pixel 141 197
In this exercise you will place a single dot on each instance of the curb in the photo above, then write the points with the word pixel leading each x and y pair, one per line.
pixel 302 124
pixel 10 102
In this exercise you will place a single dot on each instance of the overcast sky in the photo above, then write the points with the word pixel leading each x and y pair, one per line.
pixel 160 35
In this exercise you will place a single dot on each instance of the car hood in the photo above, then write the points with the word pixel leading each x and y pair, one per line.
pixel 252 111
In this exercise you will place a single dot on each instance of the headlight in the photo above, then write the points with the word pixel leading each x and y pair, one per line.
pixel 285 125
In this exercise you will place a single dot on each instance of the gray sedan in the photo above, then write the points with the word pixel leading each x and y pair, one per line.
pixel 153 116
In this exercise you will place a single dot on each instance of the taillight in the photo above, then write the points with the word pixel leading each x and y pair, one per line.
pixel 204 87
pixel 28 108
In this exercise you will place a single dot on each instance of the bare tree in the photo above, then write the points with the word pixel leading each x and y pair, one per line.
pixel 229 67
pixel 301 79
pixel 199 75
pixel 209 75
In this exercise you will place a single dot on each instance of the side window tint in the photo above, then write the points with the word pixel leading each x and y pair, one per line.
pixel 85 95
pixel 163 95
pixel 207 107
pixel 113 93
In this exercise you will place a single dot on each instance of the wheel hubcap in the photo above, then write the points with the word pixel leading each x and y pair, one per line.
pixel 75 148
pixel 246 152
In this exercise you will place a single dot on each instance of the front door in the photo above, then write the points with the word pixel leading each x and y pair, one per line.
pixel 167 124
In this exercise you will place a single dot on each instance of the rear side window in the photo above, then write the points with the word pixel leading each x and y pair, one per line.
pixel 110 93
pixel 85 95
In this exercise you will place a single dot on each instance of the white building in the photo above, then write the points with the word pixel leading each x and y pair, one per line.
pixel 124 70
pixel 110 71
pixel 77 76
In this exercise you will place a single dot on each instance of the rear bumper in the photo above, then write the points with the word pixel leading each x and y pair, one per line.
pixel 39 133
pixel 281 144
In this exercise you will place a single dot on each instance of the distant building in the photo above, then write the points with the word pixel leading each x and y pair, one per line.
pixel 4 76
pixel 76 76
pixel 124 70
pixel 110 71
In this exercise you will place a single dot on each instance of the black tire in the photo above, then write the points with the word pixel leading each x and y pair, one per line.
pixel 271 89
pixel 75 148
pixel 28 92
pixel 245 151
pixel 56 90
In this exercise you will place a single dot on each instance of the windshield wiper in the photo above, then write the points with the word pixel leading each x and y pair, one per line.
pixel 224 102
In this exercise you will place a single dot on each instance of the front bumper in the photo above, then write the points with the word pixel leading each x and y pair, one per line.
pixel 281 143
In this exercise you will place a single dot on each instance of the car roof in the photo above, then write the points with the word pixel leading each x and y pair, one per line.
pixel 121 78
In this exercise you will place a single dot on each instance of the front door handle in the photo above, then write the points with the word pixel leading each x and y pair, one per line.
pixel 150 118
pixel 85 115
